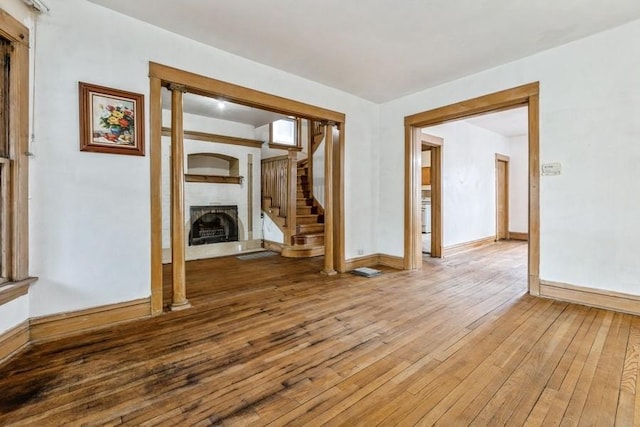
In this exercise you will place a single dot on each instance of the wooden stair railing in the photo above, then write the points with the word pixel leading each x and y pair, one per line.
pixel 274 189
pixel 286 199
pixel 316 130
pixel 278 184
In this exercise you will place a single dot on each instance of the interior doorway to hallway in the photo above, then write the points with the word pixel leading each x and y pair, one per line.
pixel 523 96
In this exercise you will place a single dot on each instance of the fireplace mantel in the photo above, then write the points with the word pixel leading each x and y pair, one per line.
pixel 213 179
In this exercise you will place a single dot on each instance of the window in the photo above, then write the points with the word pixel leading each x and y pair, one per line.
pixel 283 133
pixel 14 130
pixel 5 63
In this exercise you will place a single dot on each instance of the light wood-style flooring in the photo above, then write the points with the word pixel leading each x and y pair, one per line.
pixel 271 341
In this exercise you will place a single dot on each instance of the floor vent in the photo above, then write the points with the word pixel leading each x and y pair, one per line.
pixel 366 272
pixel 257 255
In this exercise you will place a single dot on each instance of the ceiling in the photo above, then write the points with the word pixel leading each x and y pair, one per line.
pixel 209 107
pixel 382 49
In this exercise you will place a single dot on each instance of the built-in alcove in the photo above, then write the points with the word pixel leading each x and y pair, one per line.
pixel 213 168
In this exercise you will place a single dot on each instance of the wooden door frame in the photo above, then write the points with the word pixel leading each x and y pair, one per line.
pixel 162 75
pixel 526 95
pixel 435 144
pixel 505 160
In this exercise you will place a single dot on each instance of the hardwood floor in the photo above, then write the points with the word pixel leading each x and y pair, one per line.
pixel 271 341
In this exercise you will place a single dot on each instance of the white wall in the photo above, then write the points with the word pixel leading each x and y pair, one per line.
pixel 589 104
pixel 519 184
pixel 90 212
pixel 271 231
pixel 13 313
pixel 468 180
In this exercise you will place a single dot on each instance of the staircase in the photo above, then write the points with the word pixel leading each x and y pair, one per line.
pixel 307 237
pixel 309 233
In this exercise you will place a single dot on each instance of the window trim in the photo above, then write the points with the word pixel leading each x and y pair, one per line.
pixel 297 146
pixel 16 168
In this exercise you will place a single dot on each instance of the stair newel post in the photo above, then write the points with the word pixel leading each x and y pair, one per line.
pixel 177 199
pixel 292 188
pixel 328 200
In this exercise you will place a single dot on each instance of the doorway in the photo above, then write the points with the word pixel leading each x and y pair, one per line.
pixel 431 194
pixel 180 82
pixel 521 96
pixel 502 197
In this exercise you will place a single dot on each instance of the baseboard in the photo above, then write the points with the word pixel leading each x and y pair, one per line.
pixel 363 261
pixel 609 300
pixel 392 261
pixel 13 341
pixel 373 260
pixel 515 235
pixel 272 246
pixel 56 326
pixel 461 247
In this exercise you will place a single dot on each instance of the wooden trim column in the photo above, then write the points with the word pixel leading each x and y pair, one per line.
pixel 338 205
pixel 436 201
pixel 177 200
pixel 534 193
pixel 412 221
pixel 155 155
pixel 250 197
pixel 328 200
pixel 19 122
pixel 292 189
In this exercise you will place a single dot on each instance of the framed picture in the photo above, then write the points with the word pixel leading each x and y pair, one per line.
pixel 111 120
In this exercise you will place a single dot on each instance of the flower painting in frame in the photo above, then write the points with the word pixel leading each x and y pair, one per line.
pixel 111 120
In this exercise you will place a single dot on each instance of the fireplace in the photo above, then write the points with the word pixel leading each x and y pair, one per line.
pixel 213 224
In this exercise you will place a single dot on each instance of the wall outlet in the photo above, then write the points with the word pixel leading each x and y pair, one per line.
pixel 360 251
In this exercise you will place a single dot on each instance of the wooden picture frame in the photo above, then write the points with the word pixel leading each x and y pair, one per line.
pixel 111 120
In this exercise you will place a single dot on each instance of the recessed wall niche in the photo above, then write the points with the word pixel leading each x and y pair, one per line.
pixel 213 167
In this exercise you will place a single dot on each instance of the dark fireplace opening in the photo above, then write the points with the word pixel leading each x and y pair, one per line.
pixel 213 224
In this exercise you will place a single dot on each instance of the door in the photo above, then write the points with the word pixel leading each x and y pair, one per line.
pixel 502 197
